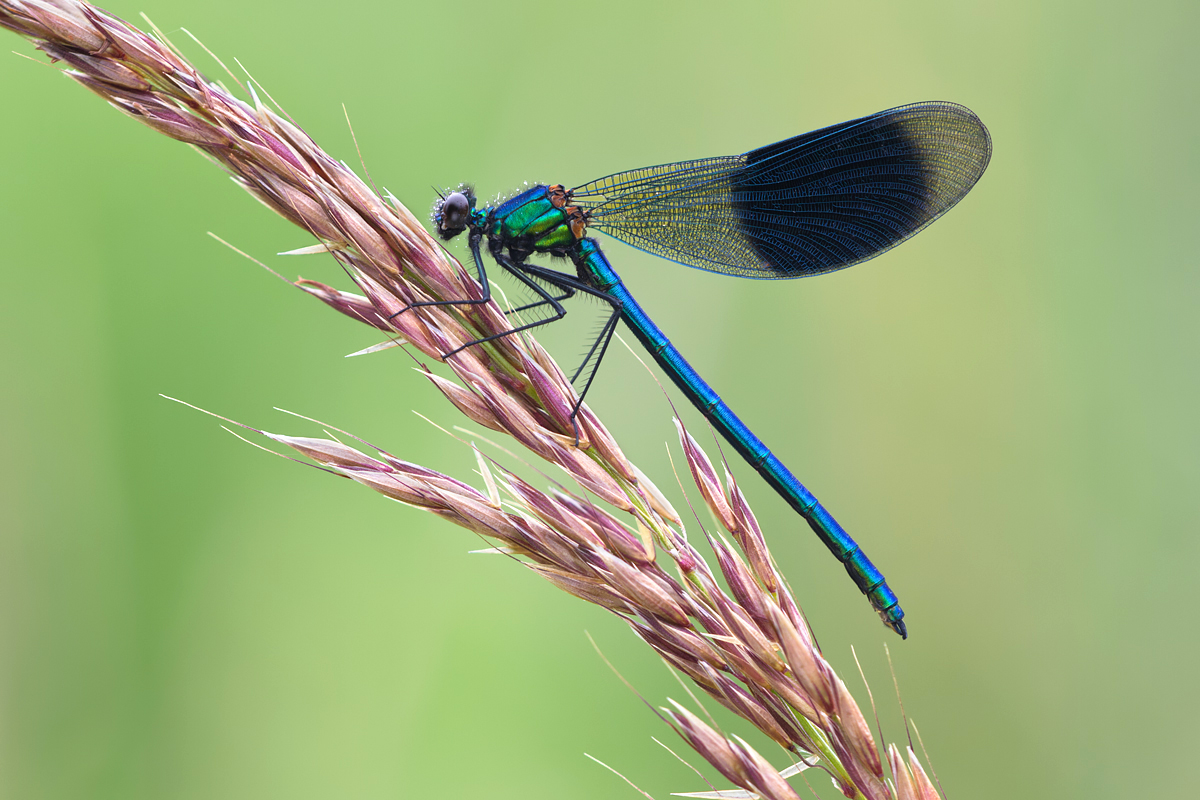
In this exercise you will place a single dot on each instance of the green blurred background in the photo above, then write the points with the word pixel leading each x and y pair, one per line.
pixel 1003 410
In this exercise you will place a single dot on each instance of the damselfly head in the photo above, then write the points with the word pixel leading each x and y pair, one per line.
pixel 452 212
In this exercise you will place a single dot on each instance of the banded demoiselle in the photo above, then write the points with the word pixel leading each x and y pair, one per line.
pixel 811 204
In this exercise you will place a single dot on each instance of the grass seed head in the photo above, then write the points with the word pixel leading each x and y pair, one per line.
pixel 751 648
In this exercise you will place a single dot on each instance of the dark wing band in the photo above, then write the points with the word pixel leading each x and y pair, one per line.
pixel 814 203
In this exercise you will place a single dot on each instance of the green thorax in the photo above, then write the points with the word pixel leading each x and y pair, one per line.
pixel 539 219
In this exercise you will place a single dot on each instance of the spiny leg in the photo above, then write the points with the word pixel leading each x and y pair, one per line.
pixel 602 342
pixel 600 345
pixel 566 295
pixel 517 271
pixel 570 285
pixel 474 239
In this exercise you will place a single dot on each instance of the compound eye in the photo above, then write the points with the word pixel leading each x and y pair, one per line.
pixel 455 212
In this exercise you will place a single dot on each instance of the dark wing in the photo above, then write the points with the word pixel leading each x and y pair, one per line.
pixel 810 204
